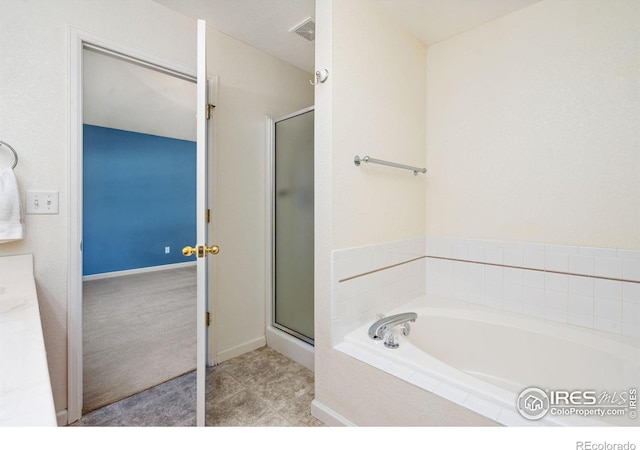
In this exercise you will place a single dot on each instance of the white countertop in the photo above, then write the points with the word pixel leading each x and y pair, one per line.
pixel 25 389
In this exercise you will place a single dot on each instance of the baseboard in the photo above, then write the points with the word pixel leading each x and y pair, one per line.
pixel 121 273
pixel 241 349
pixel 328 416
pixel 62 417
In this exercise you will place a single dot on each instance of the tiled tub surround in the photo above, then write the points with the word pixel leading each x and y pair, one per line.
pixel 372 280
pixel 591 293
pixel 596 288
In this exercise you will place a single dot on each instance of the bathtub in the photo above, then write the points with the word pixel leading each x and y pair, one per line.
pixel 482 359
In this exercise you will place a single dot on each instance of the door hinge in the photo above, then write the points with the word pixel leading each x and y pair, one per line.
pixel 207 319
pixel 208 216
pixel 208 110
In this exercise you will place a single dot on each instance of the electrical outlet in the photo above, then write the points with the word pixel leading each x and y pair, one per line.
pixel 167 250
pixel 42 202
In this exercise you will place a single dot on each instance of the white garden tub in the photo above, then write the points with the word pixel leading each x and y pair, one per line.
pixel 483 359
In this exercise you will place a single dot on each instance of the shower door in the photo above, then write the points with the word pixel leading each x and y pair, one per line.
pixel 292 309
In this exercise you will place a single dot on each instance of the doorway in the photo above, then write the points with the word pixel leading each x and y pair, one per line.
pixel 293 235
pixel 139 165
pixel 82 44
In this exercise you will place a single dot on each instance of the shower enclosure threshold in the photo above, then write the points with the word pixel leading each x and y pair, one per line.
pixel 291 347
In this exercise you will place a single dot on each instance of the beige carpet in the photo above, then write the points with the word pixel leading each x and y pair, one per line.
pixel 138 331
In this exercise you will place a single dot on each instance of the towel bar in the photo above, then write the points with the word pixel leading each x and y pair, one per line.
pixel 15 154
pixel 357 160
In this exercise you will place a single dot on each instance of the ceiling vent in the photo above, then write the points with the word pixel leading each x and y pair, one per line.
pixel 306 29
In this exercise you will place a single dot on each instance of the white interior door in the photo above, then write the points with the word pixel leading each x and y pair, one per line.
pixel 202 249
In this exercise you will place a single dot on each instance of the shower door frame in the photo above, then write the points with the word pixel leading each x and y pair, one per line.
pixel 271 229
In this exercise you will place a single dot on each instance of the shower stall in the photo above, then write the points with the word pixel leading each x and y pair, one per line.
pixel 290 188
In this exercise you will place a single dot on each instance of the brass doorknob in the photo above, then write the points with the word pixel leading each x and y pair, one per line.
pixel 214 249
pixel 188 250
pixel 201 250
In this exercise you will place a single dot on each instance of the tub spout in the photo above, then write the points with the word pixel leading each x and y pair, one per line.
pixel 378 330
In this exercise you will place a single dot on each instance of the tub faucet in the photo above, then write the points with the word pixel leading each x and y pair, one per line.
pixel 379 329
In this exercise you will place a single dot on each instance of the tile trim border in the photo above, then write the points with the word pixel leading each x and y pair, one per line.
pixel 521 267
pixel 381 269
pixel 470 261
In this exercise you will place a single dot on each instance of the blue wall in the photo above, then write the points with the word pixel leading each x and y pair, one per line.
pixel 139 197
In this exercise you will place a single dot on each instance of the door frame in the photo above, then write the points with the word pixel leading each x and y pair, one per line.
pixel 301 341
pixel 78 41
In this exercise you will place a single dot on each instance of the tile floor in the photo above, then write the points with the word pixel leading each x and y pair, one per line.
pixel 259 388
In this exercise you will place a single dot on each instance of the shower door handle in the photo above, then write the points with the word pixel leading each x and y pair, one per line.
pixel 201 250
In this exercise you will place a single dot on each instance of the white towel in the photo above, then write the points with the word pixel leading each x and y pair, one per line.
pixel 11 227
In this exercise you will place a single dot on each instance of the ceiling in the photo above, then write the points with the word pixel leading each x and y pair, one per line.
pixel 126 96
pixel 263 24
pixel 434 20
pixel 266 24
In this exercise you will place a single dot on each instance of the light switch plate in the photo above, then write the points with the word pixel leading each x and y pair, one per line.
pixel 42 202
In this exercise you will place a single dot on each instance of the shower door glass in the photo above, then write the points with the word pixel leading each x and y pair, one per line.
pixel 293 225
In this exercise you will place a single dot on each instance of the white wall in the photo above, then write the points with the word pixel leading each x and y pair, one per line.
pixel 253 85
pixel 531 135
pixel 377 76
pixel 34 115
pixel 34 106
pixel 533 127
pixel 373 103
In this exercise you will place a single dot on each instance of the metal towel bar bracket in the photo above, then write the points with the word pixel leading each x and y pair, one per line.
pixel 357 160
pixel 15 154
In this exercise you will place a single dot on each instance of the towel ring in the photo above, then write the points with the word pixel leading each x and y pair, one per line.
pixel 15 154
